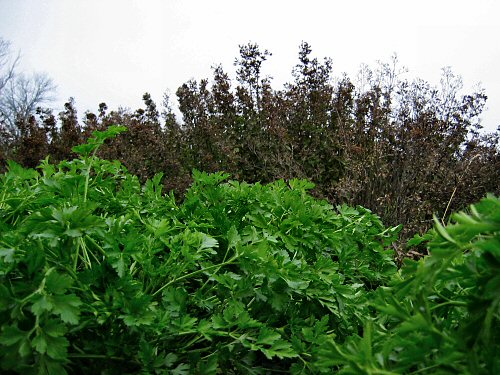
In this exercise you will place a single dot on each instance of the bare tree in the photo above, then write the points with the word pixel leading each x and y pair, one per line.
pixel 7 64
pixel 20 95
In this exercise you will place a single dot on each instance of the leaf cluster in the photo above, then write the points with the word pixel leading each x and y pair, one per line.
pixel 102 274
pixel 441 314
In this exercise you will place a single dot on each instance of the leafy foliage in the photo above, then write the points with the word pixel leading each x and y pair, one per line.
pixel 441 314
pixel 102 274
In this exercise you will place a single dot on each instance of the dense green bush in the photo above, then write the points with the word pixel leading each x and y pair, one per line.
pixel 100 274
pixel 441 315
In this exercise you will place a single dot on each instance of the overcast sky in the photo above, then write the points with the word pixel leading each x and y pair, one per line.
pixel 114 51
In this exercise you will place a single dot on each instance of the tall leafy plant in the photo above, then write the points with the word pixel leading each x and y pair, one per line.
pixel 100 273
pixel 441 314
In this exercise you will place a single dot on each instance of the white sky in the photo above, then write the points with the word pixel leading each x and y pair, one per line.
pixel 114 51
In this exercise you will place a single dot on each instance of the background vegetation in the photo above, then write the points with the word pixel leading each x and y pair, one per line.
pixel 403 149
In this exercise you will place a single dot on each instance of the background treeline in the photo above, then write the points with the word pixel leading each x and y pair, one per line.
pixel 404 149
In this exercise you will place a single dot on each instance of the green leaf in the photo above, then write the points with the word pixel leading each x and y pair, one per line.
pixel 67 307
pixel 12 335
pixel 185 323
pixel 297 284
pixel 99 137
pixel 170 359
pixel 111 132
pixel 54 328
pixel 73 232
pixel 281 349
pixel 57 283
pixel 117 260
pixel 271 344
pixel 209 367
pixel 268 336
pixel 181 369
pixel 57 347
pixel 417 323
pixel 54 367
pixel 39 344
pixel 85 149
pixel 5 298
pixel 208 242
pixel 7 255
pixel 25 348
pixel 366 342
pixel 442 230
pixel 301 185
pixel 417 239
pixel 43 303
pixel 233 237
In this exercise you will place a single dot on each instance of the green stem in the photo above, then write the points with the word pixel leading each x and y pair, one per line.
pixel 191 274
pixel 18 208
pixel 96 244
pixel 98 356
pixel 191 342
pixel 426 369
pixel 452 303
pixel 87 177
pixel 132 268
pixel 86 252
pixel 442 335
pixel 77 254
pixel 2 201
pixel 208 279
